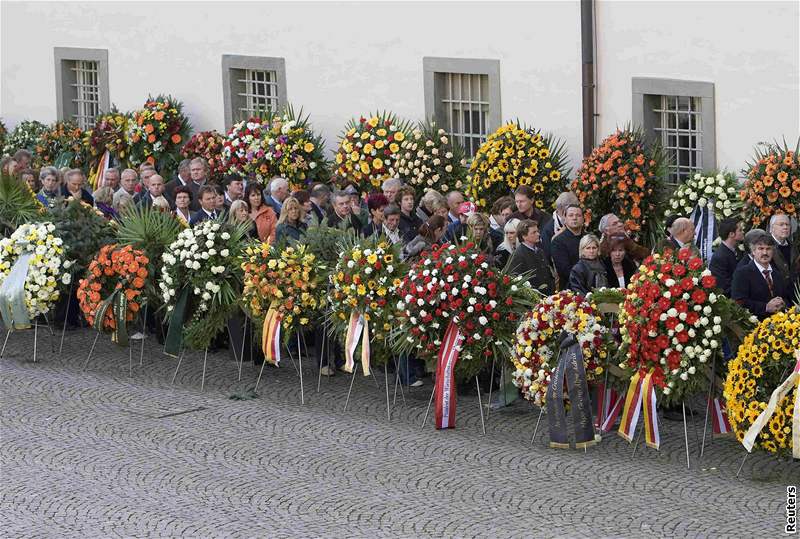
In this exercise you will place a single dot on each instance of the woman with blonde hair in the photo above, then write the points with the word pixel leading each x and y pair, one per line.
pixel 291 223
pixel 590 272
pixel 239 213
pixel 504 251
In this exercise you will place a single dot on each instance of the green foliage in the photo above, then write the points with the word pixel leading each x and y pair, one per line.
pixel 151 231
pixel 18 204
pixel 84 231
pixel 324 243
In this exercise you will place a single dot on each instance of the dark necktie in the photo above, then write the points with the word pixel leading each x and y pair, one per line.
pixel 767 276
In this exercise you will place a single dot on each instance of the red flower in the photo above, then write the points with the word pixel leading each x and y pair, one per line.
pixel 695 264
pixel 699 297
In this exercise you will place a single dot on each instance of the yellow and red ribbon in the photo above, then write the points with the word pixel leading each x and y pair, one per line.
pixel 271 336
pixel 641 396
pixel 358 327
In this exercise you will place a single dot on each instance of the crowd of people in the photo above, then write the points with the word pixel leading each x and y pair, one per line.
pixel 556 251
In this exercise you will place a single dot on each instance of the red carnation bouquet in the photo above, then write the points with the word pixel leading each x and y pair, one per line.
pixel 457 284
pixel 672 322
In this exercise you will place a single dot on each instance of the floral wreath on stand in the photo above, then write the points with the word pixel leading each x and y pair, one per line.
pixel 773 183
pixel 276 145
pixel 201 283
pixel 111 294
pixel 60 146
pixel 517 155
pixel 33 270
pixel 430 159
pixel 156 132
pixel 369 149
pixel 459 311
pixel 362 305
pixel 282 290
pixel 624 177
pixel 765 360
pixel 25 136
pixel 537 343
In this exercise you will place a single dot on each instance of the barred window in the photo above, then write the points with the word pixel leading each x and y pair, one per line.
pixel 252 85
pixel 462 95
pixel 87 93
pixel 681 133
pixel 466 101
pixel 81 84
pixel 679 115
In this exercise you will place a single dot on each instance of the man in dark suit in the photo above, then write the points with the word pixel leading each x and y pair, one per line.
pixel 319 195
pixel 554 225
pixel 234 189
pixel 183 178
pixel 785 256
pixel 341 214
pixel 208 205
pixel 565 245
pixel 278 192
pixel 726 257
pixel 155 189
pixel 758 285
pixel 529 256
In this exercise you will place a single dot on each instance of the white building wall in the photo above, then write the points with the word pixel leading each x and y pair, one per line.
pixel 343 60
pixel 749 50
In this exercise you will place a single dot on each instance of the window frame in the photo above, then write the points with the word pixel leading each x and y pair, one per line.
pixel 70 55
pixel 253 63
pixel 647 94
pixel 433 65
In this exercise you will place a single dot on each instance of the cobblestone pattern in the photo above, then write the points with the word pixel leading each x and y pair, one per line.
pixel 102 454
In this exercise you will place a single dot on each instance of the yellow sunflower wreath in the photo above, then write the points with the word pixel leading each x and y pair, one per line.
pixel 765 360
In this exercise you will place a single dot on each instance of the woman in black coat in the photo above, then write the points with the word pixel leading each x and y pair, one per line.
pixel 590 272
pixel 619 267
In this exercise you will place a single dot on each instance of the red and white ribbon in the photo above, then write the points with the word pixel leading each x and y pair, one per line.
pixel 613 414
pixel 719 418
pixel 445 388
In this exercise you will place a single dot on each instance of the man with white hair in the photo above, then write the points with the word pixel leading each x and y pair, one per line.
pixel 611 226
pixel 454 201
pixel 390 188
pixel 278 192
pixel 681 234
pixel 784 256
pixel 111 178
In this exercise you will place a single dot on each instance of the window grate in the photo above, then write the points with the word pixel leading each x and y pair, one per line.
pixel 260 92
pixel 87 93
pixel 465 101
pixel 680 131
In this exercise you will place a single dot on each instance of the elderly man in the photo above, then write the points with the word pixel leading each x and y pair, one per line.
pixel 612 226
pixel 565 245
pixel 391 224
pixel 146 171
pixel 278 192
pixel 681 234
pixel 127 184
pixel 111 179
pixel 198 170
pixel 454 201
pixel 73 186
pixel 23 159
pixel 155 190
pixel 758 285
pixel 726 257
pixel 390 188
pixel 785 255
pixel 341 214
pixel 554 225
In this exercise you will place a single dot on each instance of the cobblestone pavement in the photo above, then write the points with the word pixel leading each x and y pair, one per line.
pixel 102 454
